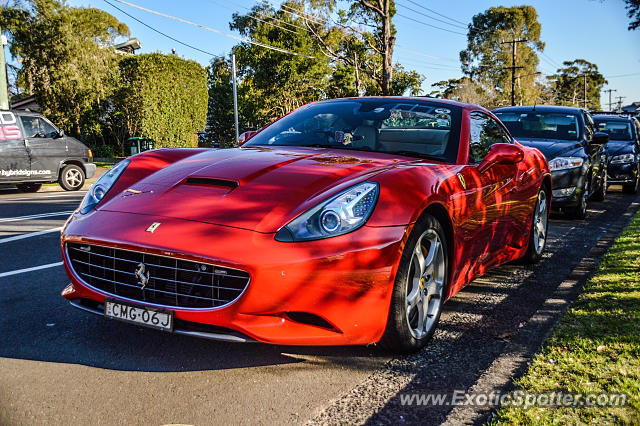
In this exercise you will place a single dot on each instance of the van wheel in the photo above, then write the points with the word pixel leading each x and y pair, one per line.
pixel 71 178
pixel 29 187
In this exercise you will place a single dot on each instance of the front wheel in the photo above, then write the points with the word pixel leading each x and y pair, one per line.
pixel 71 178
pixel 539 226
pixel 580 211
pixel 602 192
pixel 419 289
pixel 632 188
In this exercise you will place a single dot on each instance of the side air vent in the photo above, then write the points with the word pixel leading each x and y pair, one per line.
pixel 311 319
pixel 212 182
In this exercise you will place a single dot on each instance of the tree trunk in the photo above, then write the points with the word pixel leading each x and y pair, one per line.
pixel 388 42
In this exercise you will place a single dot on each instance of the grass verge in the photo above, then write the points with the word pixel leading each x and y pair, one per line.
pixel 595 348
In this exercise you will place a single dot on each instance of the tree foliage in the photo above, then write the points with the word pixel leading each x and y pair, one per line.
pixel 487 59
pixel 273 83
pixel 464 90
pixel 162 97
pixel 65 60
pixel 633 11
pixel 568 84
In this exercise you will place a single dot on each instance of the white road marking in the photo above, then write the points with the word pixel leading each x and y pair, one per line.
pixel 34 268
pixel 35 216
pixel 35 198
pixel 31 234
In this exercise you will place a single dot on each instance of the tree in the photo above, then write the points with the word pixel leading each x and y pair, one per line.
pixel 464 90
pixel 488 57
pixel 568 83
pixel 66 60
pixel 369 49
pixel 220 120
pixel 633 11
pixel 162 97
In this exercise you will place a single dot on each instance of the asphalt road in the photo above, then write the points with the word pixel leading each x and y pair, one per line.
pixel 62 366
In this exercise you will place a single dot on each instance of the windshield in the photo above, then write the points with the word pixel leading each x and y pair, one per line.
pixel 617 130
pixel 395 126
pixel 541 125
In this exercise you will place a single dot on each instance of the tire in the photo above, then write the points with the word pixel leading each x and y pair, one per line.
pixel 602 191
pixel 71 178
pixel 419 288
pixel 539 228
pixel 29 187
pixel 580 211
pixel 632 188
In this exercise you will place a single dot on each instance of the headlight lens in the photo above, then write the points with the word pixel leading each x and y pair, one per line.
pixel 339 215
pixel 624 158
pixel 563 163
pixel 100 188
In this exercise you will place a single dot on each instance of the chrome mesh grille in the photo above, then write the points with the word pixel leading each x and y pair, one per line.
pixel 171 282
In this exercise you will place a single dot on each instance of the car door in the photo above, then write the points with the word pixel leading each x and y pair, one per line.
pixel 46 149
pixel 487 193
pixel 14 159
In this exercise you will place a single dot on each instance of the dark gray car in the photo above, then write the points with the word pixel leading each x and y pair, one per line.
pixel 573 147
pixel 33 151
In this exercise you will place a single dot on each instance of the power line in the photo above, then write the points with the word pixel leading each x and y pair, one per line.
pixel 622 75
pixel 254 17
pixel 429 25
pixel 464 27
pixel 242 39
pixel 437 13
pixel 158 31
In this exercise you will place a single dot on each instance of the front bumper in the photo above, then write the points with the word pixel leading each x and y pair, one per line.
pixel 621 173
pixel 89 170
pixel 567 187
pixel 346 281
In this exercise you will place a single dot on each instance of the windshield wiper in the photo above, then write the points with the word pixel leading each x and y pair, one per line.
pixel 413 154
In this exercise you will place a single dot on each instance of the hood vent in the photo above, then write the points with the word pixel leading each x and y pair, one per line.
pixel 212 182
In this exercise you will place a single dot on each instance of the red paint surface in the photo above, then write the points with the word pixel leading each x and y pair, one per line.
pixel 346 280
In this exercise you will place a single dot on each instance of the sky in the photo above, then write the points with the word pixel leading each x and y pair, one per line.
pixel 595 30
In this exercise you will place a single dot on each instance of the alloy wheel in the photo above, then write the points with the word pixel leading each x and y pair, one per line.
pixel 425 284
pixel 540 219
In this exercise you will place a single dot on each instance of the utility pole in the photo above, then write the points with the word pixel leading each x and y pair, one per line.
pixel 355 63
pixel 620 98
pixel 610 103
pixel 235 95
pixel 4 85
pixel 584 76
pixel 513 66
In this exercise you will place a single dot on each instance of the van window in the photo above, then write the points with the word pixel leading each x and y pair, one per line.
pixel 36 127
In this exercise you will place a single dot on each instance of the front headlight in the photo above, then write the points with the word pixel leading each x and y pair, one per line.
pixel 100 188
pixel 624 158
pixel 563 163
pixel 343 213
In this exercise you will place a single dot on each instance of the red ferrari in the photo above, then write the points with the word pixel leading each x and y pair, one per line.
pixel 346 222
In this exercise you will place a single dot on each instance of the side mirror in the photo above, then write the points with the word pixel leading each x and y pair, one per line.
pixel 600 138
pixel 60 134
pixel 501 153
pixel 243 138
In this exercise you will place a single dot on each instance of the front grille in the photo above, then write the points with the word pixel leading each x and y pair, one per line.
pixel 171 282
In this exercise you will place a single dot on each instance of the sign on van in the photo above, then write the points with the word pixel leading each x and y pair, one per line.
pixel 9 129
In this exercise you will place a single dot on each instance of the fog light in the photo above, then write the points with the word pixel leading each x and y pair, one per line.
pixel 564 192
pixel 68 289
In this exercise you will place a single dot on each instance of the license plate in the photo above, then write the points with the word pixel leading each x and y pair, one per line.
pixel 141 315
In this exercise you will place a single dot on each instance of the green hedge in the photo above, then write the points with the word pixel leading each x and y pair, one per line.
pixel 162 97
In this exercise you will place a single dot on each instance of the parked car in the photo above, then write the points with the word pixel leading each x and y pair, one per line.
pixel 346 222
pixel 33 151
pixel 573 147
pixel 623 149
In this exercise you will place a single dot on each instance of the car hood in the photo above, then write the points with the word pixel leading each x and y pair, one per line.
pixel 553 148
pixel 254 188
pixel 620 147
